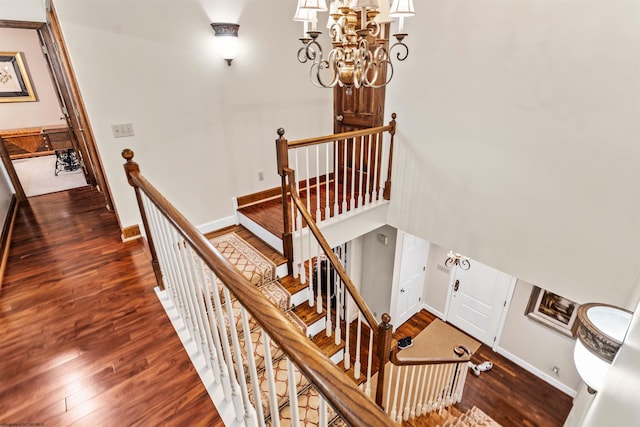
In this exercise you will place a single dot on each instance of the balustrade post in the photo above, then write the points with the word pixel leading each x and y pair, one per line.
pixel 282 157
pixel 132 167
pixel 385 331
pixel 387 185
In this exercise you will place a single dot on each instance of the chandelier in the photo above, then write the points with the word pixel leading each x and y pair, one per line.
pixel 360 56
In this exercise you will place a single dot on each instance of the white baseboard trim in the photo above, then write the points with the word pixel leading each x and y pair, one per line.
pixel 537 372
pixel 217 224
pixel 433 311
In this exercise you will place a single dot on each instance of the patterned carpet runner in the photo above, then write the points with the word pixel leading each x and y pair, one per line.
pixel 473 418
pixel 258 269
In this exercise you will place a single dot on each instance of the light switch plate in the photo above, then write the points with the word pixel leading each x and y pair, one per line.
pixel 122 130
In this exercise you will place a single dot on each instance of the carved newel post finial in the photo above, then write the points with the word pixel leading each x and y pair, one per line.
pixel 386 319
pixel 130 166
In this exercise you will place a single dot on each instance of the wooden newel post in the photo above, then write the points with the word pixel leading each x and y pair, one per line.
pixel 130 169
pixel 387 185
pixel 282 154
pixel 385 331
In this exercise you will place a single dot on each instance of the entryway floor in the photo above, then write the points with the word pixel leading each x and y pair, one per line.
pixel 37 176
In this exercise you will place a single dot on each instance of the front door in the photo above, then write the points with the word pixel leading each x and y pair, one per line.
pixel 413 265
pixel 477 300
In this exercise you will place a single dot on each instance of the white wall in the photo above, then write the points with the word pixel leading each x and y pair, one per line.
pixel 517 139
pixel 203 130
pixel 23 10
pixel 436 286
pixel 46 109
pixel 377 270
pixel 536 346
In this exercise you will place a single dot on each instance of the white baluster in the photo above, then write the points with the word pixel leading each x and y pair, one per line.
pixel 319 295
pixel 416 405
pixel 318 193
pixel 293 394
pixel 427 404
pixel 389 376
pixel 345 185
pixel 235 396
pixel 361 171
pixel 370 166
pixel 369 363
pixel 376 169
pixel 407 408
pixel 396 392
pixel 253 372
pixel 271 384
pixel 339 307
pixel 328 321
pixel 327 205
pixel 308 183
pixel 347 333
pixel 336 178
pixel 323 412
pixel 309 260
pixel 238 352
pixel 403 393
pixel 356 365
pixel 352 203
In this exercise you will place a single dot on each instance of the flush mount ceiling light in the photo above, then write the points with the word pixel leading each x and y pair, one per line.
pixel 227 42
pixel 361 56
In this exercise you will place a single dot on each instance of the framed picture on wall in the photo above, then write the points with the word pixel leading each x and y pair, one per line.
pixel 14 80
pixel 553 311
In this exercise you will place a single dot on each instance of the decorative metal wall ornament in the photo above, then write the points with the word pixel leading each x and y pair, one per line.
pixel 360 56
pixel 457 259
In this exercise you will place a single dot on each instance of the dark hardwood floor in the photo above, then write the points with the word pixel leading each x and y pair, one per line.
pixel 84 340
pixel 511 395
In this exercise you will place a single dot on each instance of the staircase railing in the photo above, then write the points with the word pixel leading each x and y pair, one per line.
pixel 223 312
pixel 416 386
pixel 337 174
pixel 405 388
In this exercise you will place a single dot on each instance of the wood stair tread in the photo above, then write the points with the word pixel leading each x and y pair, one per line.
pixel 309 315
pixel 327 343
pixel 292 284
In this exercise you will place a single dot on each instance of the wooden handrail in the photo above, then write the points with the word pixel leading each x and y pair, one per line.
pixel 396 358
pixel 335 387
pixel 337 265
pixel 342 136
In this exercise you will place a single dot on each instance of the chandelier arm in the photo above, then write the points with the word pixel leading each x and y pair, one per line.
pixel 325 64
pixel 403 53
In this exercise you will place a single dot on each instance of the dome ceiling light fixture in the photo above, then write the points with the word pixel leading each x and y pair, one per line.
pixel 360 56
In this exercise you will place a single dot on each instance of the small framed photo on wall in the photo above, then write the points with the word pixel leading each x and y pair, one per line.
pixel 553 311
pixel 15 85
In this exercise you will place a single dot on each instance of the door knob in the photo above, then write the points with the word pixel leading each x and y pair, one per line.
pixel 339 117
pixel 456 286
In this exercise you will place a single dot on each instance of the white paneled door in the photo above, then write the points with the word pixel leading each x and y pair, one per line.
pixel 415 252
pixel 477 300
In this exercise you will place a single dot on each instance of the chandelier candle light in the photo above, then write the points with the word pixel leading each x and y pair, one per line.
pixel 360 56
